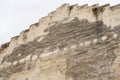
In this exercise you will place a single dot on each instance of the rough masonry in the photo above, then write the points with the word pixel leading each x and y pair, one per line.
pixel 71 43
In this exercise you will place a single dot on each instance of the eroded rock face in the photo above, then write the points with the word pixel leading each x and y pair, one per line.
pixel 73 46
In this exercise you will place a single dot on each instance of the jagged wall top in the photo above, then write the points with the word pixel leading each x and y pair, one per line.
pixel 109 15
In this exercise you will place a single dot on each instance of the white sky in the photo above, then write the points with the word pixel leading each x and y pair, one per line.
pixel 17 15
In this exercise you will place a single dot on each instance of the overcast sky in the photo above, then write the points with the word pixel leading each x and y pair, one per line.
pixel 17 15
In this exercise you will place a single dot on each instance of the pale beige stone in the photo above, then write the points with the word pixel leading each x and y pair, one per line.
pixel 41 38
pixel 65 49
pixel 81 44
pixel 48 53
pixel 73 46
pixel 95 40
pixel 115 35
pixel 22 60
pixel 28 57
pixel 34 57
pixel 87 43
pixel 1 66
pixel 8 64
pixel 15 63
pixel 19 54
pixel 104 38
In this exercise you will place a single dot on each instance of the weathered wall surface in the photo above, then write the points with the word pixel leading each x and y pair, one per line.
pixel 71 43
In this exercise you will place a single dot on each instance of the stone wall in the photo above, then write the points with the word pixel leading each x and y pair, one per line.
pixel 71 43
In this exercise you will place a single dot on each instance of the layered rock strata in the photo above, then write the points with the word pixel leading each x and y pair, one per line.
pixel 71 43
